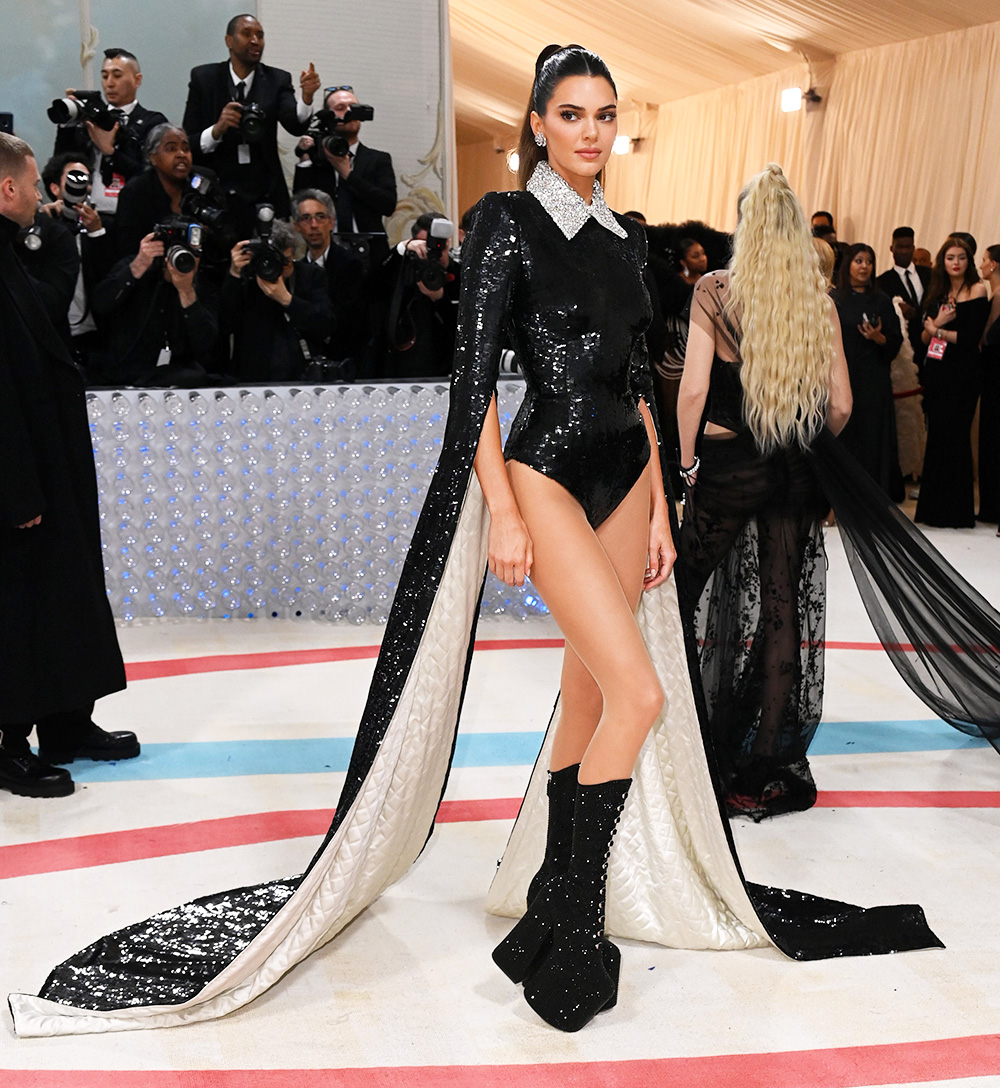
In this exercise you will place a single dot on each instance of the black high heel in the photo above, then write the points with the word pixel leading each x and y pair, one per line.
pixel 558 947
pixel 561 791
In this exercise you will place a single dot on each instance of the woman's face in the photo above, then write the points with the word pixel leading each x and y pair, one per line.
pixel 696 259
pixel 579 125
pixel 172 159
pixel 956 261
pixel 987 266
pixel 861 268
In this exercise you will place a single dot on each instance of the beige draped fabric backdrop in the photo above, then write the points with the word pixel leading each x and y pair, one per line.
pixel 907 133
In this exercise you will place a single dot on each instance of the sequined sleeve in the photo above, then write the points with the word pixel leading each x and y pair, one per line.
pixel 491 264
pixel 641 374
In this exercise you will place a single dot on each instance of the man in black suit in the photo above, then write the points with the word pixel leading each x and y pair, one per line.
pixel 58 646
pixel 246 162
pixel 907 282
pixel 116 155
pixel 362 182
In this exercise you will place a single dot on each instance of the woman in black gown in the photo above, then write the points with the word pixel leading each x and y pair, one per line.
pixel 872 338
pixel 989 400
pixel 956 309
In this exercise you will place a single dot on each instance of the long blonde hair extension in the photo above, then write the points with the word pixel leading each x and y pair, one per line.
pixel 779 297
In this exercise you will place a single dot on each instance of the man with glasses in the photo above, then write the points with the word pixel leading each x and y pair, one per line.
pixel 362 183
pixel 315 219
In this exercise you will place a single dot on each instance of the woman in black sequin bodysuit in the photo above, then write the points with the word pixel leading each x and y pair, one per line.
pixel 580 506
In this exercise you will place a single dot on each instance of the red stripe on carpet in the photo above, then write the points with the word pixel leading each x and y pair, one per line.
pixel 840 1067
pixel 138 844
pixel 189 666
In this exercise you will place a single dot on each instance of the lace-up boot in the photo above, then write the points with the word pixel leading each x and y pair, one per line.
pixel 558 947
pixel 561 790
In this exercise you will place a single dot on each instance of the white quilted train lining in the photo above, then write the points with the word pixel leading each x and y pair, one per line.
pixel 672 877
pixel 375 844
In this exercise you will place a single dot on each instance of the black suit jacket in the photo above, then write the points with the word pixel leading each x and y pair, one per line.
pixel 128 158
pixel 344 275
pixel 892 284
pixel 261 179
pixel 265 334
pixel 371 184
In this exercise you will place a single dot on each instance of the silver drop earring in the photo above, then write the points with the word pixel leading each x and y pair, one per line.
pixel 540 139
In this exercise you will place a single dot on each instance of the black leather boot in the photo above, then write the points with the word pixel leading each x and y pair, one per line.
pixel 23 773
pixel 558 947
pixel 561 790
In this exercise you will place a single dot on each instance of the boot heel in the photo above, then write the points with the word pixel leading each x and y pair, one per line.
pixel 525 946
pixel 612 957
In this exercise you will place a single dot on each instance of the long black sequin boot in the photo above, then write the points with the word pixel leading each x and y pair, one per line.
pixel 561 790
pixel 558 947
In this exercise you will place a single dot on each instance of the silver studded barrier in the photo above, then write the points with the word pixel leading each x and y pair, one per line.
pixel 271 501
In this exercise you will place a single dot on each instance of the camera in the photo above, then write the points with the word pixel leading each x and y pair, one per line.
pixel 266 260
pixel 199 202
pixel 83 106
pixel 324 128
pixel 31 237
pixel 181 238
pixel 430 272
pixel 76 186
pixel 252 121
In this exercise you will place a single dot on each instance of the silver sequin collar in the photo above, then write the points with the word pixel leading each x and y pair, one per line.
pixel 568 209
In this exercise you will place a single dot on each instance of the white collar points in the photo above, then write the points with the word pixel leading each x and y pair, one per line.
pixel 569 211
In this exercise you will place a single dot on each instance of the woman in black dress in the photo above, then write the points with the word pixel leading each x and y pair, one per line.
pixel 872 338
pixel 956 310
pixel 989 400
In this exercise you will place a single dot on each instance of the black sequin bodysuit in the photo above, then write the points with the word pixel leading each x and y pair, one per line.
pixel 576 314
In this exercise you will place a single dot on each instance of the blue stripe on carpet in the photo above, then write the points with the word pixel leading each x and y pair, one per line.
pixel 227 759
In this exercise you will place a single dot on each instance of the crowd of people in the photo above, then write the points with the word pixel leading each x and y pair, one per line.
pixel 174 254
pixel 922 344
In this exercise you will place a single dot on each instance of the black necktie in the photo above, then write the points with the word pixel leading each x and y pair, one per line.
pixel 345 206
pixel 911 287
pixel 241 91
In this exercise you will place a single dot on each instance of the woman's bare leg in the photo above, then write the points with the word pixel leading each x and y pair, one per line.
pixel 591 584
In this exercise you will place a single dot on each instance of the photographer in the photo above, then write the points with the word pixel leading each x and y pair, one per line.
pixel 361 181
pixel 109 139
pixel 272 307
pixel 314 218
pixel 165 190
pixel 74 252
pixel 232 112
pixel 423 313
pixel 159 313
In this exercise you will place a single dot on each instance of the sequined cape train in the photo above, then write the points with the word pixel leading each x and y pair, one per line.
pixel 674 876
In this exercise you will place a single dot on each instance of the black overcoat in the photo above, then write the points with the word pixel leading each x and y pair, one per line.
pixel 58 646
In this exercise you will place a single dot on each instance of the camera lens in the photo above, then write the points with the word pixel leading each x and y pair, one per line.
pixel 75 186
pixel 63 111
pixel 181 259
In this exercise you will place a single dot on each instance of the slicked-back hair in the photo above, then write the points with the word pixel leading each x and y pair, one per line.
pixel 131 58
pixel 13 154
pixel 554 63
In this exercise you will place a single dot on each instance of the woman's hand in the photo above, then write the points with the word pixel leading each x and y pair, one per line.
pixel 945 313
pixel 510 549
pixel 661 552
pixel 872 332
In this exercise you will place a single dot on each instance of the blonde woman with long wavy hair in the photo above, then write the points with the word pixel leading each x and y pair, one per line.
pixel 765 354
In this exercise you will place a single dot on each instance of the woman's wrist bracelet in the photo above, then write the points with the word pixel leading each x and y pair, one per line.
pixel 691 471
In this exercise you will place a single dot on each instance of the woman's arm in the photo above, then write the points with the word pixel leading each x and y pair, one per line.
pixel 509 545
pixel 841 400
pixel 661 552
pixel 695 382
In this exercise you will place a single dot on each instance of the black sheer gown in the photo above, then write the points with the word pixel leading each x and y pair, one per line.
pixel 989 426
pixel 752 583
pixel 531 259
pixel 870 434
pixel 951 390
